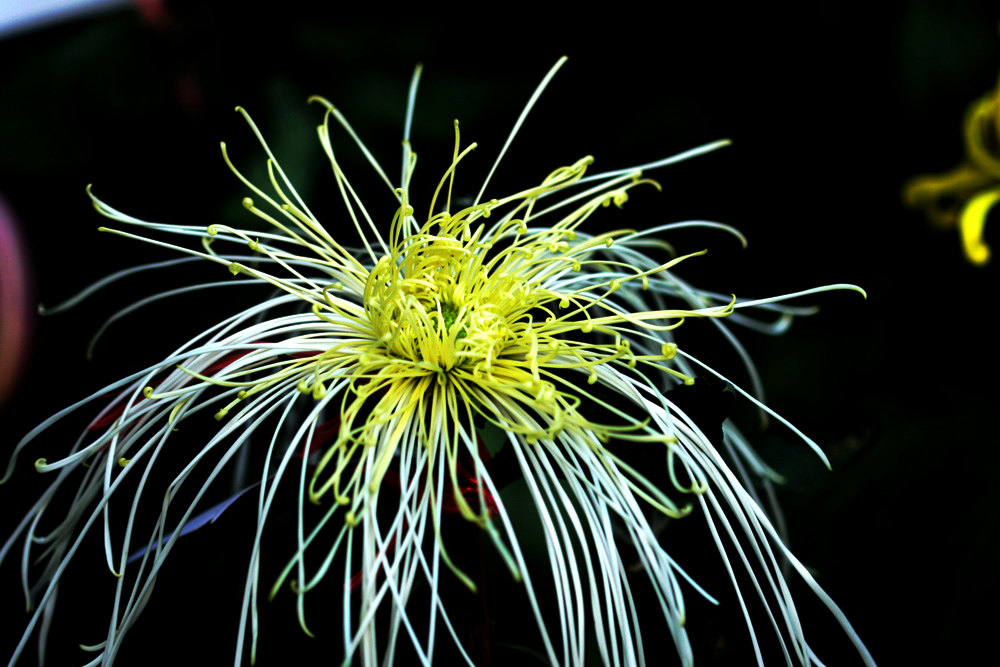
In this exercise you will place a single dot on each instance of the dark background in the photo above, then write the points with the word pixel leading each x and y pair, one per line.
pixel 830 110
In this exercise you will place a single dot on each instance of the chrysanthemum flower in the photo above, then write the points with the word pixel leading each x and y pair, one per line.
pixel 390 378
pixel 964 196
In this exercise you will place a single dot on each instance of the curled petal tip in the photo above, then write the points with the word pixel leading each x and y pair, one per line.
pixel 843 286
pixel 978 255
pixel 972 223
pixel 321 100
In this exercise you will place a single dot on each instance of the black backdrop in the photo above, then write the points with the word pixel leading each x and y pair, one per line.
pixel 830 110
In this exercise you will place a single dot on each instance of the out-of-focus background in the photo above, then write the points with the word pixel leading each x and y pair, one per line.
pixel 831 108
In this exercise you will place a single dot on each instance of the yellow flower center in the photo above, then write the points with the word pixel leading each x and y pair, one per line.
pixel 437 305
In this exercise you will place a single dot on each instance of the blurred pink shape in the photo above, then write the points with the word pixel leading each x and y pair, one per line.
pixel 16 312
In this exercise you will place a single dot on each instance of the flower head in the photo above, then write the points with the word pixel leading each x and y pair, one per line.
pixel 391 377
pixel 964 196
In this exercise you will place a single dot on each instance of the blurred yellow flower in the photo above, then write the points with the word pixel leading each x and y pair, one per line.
pixel 964 196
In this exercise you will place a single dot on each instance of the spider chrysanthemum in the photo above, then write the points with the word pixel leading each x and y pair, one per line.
pixel 381 383
pixel 964 196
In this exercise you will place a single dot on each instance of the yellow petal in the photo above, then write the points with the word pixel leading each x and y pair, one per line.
pixel 972 222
